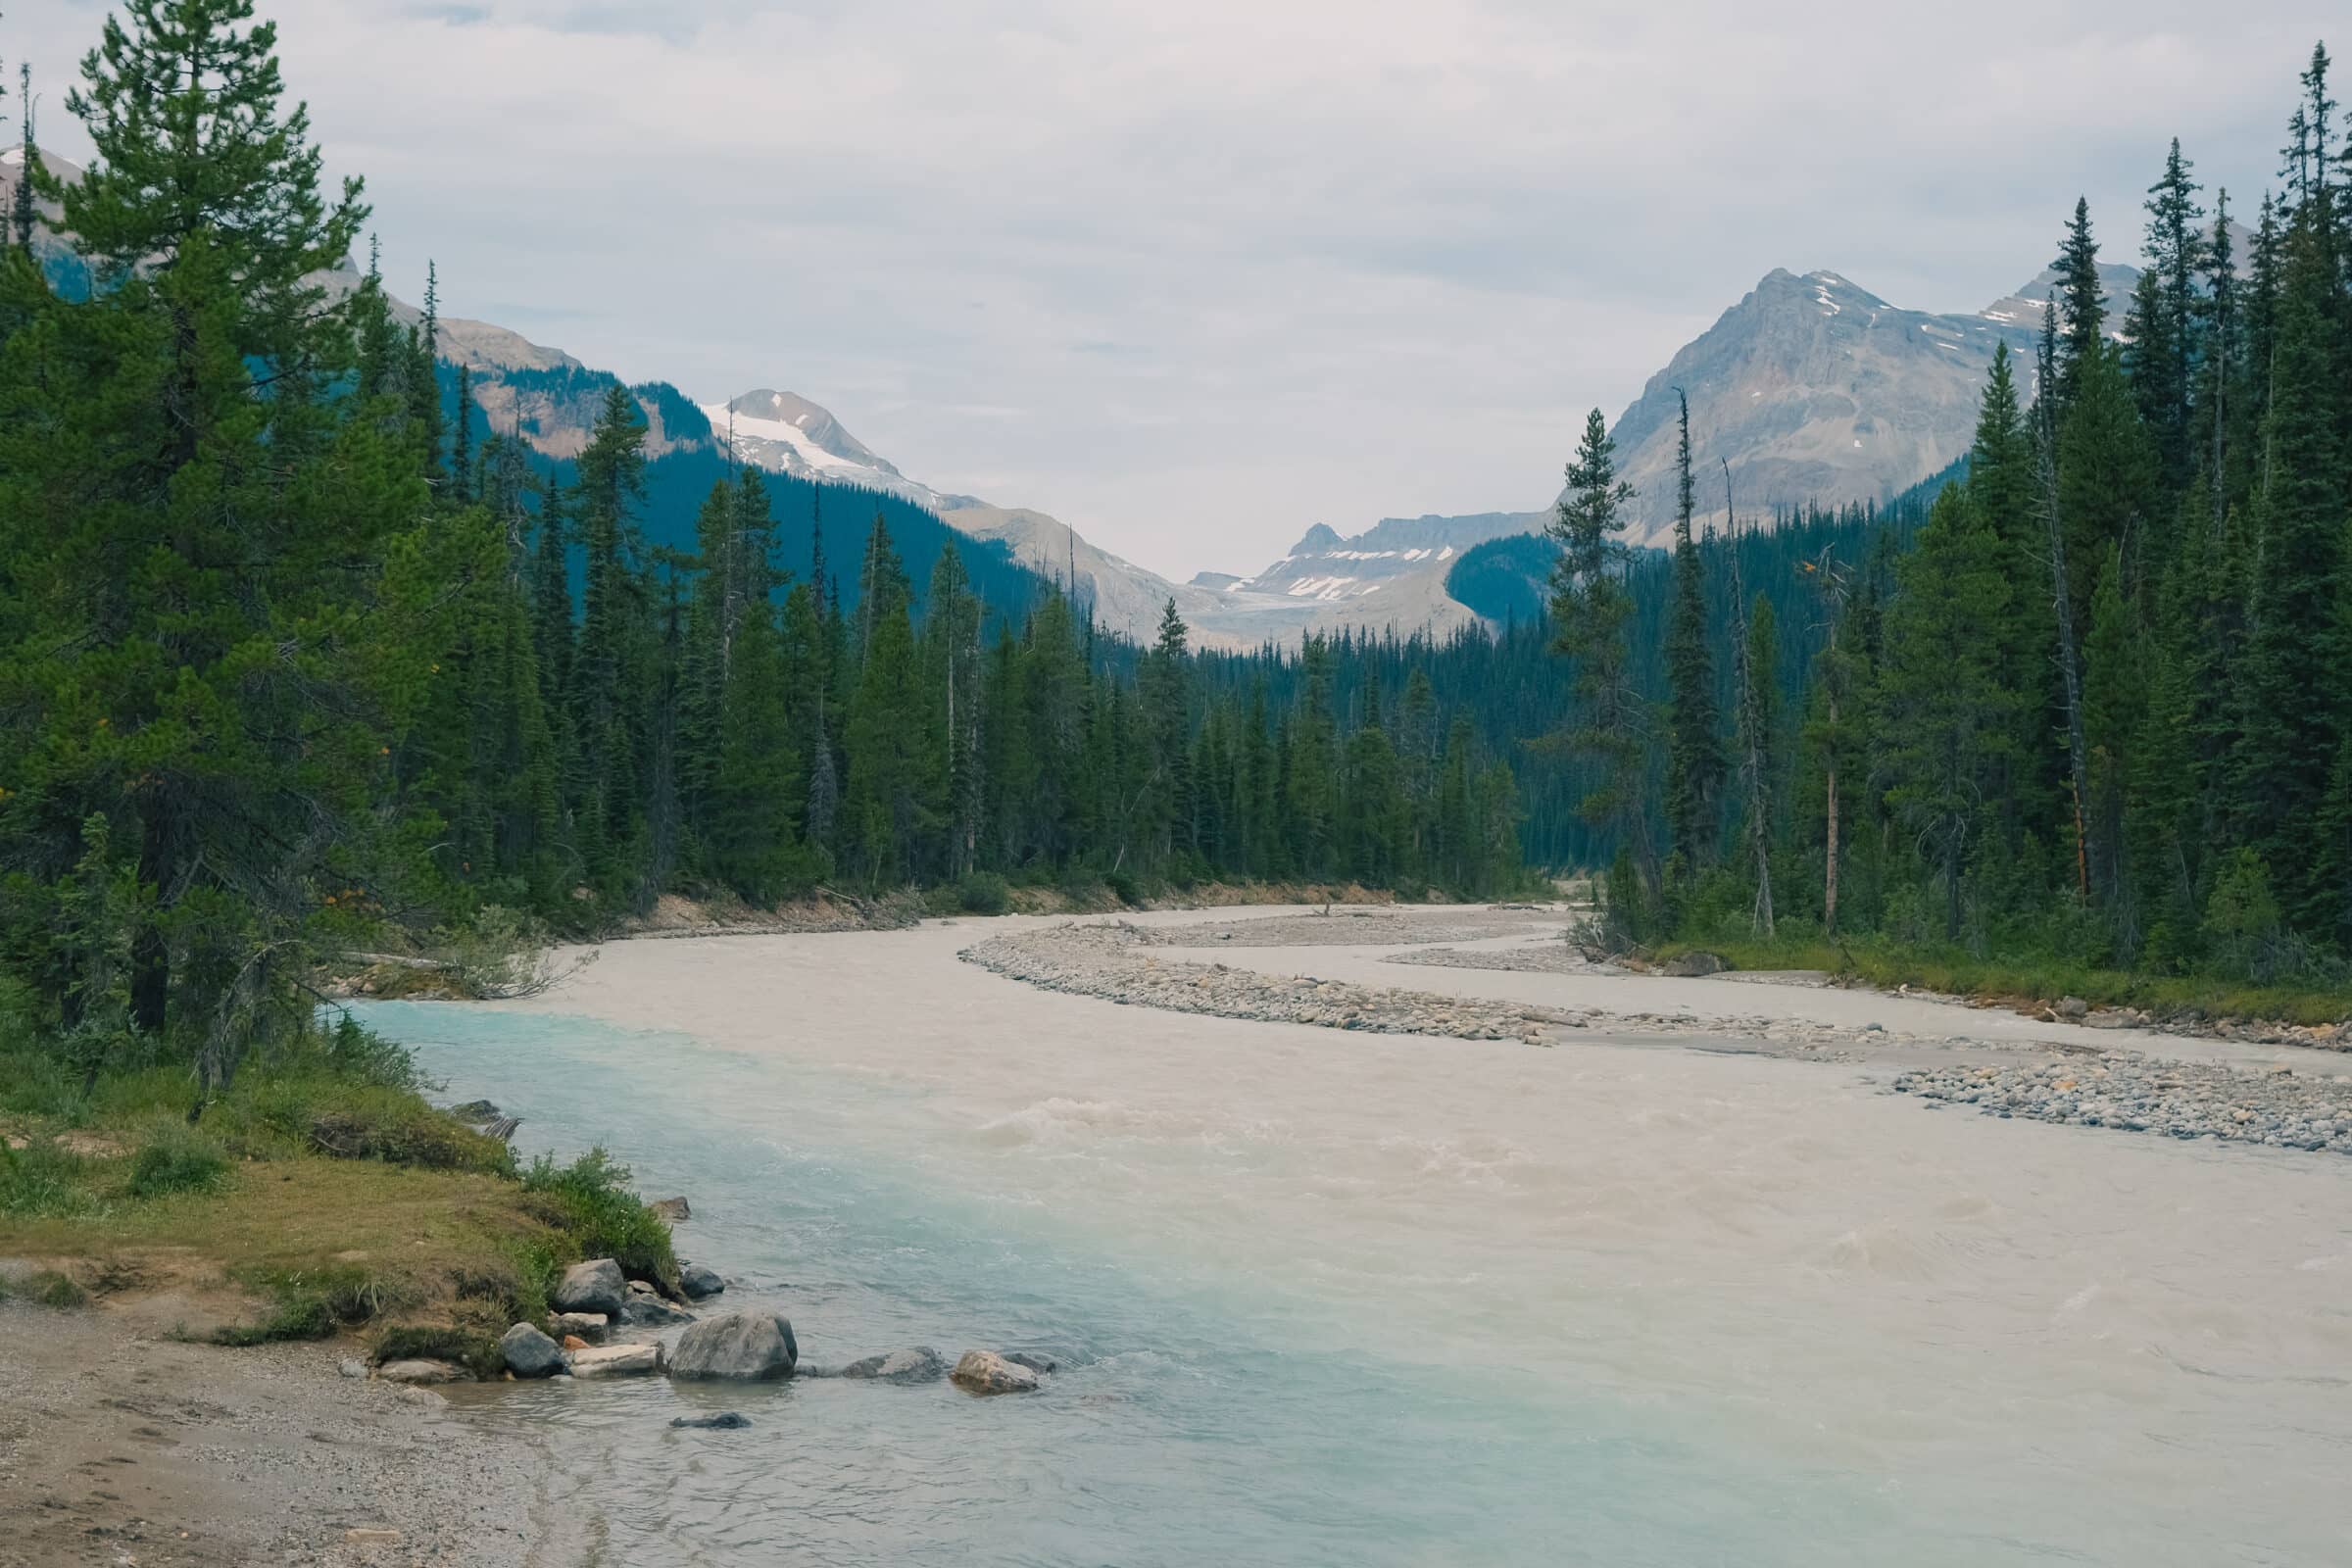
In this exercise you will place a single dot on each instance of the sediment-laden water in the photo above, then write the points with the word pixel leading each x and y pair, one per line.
pixel 1327 1297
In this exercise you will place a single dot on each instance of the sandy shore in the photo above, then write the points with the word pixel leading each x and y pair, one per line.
pixel 125 1449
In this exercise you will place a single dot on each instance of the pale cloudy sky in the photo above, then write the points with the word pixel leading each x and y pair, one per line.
pixel 1194 275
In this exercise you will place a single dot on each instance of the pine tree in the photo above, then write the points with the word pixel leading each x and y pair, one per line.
pixel 1590 611
pixel 2081 303
pixel 196 564
pixel 1946 719
pixel 2292 725
pixel 2058 557
pixel 2164 323
pixel 460 441
pixel 609 665
pixel 23 215
pixel 1693 751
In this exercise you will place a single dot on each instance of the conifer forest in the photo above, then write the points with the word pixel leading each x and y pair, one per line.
pixel 296 649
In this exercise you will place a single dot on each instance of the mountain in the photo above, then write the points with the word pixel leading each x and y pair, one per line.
pixel 1391 576
pixel 1813 389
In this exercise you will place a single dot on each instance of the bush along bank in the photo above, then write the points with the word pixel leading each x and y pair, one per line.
pixel 320 1193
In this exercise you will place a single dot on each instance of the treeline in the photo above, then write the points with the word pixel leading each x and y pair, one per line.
pixel 290 657
pixel 2102 706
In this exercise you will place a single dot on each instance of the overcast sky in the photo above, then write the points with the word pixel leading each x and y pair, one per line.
pixel 1192 274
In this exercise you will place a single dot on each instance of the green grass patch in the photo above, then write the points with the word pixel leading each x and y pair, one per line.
pixel 2030 980
pixel 176 1157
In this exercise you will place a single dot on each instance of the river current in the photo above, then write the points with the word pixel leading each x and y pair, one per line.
pixel 1324 1297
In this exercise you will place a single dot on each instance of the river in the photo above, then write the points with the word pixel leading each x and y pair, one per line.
pixel 1328 1298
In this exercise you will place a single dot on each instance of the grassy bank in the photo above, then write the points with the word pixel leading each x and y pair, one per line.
pixel 2031 983
pixel 321 1195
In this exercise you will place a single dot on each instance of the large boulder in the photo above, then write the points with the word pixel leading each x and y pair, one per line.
pixel 596 1286
pixel 987 1372
pixel 616 1361
pixel 919 1365
pixel 671 1210
pixel 750 1346
pixel 530 1353
pixel 1693 965
pixel 698 1280
pixel 592 1327
pixel 645 1309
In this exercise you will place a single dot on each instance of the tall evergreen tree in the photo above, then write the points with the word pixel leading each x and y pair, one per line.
pixel 1589 610
pixel 1693 751
pixel 2081 301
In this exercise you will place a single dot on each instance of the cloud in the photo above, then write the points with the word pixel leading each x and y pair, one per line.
pixel 1192 277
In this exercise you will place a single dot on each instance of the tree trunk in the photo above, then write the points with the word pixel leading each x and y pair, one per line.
pixel 1754 764
pixel 1829 882
pixel 2070 665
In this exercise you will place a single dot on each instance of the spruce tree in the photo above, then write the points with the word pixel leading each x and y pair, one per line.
pixel 1693 751
pixel 2164 323
pixel 198 655
pixel 2081 303
pixel 1945 720
pixel 2292 725
pixel 1590 610
pixel 25 215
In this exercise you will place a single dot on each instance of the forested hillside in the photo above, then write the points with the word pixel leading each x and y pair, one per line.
pixel 297 658
pixel 2101 707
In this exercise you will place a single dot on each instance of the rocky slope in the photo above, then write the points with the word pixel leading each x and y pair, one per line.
pixel 1813 389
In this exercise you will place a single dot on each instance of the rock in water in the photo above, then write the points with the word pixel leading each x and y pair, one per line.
pixel 589 1326
pixel 729 1421
pixel 421 1371
pixel 698 1280
pixel 530 1353
pixel 616 1361
pixel 1031 1360
pixel 919 1365
pixel 645 1309
pixel 751 1347
pixel 672 1211
pixel 986 1372
pixel 596 1286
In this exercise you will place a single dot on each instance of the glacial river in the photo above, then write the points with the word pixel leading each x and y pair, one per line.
pixel 1340 1299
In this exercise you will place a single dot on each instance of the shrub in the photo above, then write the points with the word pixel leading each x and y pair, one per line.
pixel 357 1121
pixel 312 1303
pixel 590 1198
pixel 398 1129
pixel 177 1158
pixel 983 892
pixel 48 1288
pixel 52 1288
pixel 1124 887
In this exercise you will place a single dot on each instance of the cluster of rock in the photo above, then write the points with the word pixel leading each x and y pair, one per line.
pixel 1107 961
pixel 2132 1093
pixel 1340 927
pixel 1099 961
pixel 594 1297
